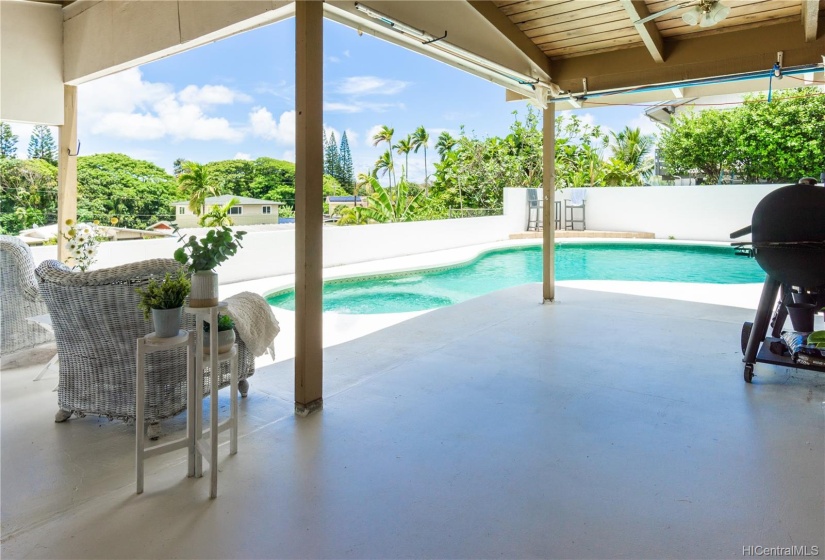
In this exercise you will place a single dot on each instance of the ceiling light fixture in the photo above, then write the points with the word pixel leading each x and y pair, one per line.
pixel 445 46
pixel 706 14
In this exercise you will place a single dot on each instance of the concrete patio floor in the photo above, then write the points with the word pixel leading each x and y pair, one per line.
pixel 604 425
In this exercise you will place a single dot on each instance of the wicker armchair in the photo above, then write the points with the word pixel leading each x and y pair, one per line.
pixel 96 324
pixel 20 298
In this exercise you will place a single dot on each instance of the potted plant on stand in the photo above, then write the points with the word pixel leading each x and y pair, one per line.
pixel 163 301
pixel 202 256
pixel 226 334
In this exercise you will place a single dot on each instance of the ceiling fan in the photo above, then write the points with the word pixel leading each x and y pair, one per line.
pixel 703 13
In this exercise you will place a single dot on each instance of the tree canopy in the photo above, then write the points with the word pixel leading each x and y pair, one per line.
pixel 41 145
pixel 137 192
pixel 779 141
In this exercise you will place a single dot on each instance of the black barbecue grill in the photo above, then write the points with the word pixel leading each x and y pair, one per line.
pixel 788 242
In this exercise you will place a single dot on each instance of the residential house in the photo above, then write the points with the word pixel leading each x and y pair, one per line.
pixel 247 211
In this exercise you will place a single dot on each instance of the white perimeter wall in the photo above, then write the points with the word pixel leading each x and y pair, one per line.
pixel 31 62
pixel 701 213
pixel 272 253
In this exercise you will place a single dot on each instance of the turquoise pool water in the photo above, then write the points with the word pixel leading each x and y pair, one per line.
pixel 510 267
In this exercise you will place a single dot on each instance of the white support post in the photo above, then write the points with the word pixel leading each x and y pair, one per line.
pixel 548 186
pixel 66 168
pixel 309 165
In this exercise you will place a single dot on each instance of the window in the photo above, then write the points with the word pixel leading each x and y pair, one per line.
pixel 236 211
pixel 267 209
pixel 181 209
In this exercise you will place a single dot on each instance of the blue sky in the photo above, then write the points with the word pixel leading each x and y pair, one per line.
pixel 235 99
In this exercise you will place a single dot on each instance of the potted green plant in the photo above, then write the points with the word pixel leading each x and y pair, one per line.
pixel 163 302
pixel 202 256
pixel 226 334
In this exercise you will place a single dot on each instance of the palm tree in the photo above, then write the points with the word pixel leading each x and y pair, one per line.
pixel 445 144
pixel 385 165
pixel 383 206
pixel 405 146
pixel 196 183
pixel 385 135
pixel 420 139
pixel 218 216
pixel 363 180
pixel 632 147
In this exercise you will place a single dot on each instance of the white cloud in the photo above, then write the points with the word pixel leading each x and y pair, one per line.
pixel 644 124
pixel 242 155
pixel 125 105
pixel 352 137
pixel 372 132
pixel 211 95
pixel 266 126
pixel 334 59
pixel 288 155
pixel 342 108
pixel 370 85
pixel 133 126
pixel 346 53
pixel 332 130
pixel 282 90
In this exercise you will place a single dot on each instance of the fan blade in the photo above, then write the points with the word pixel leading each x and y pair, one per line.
pixel 661 13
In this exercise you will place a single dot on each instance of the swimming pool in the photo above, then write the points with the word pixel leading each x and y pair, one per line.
pixel 504 268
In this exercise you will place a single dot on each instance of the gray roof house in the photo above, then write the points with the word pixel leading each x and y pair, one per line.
pixel 247 211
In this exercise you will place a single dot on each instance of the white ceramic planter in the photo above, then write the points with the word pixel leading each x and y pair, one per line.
pixel 225 341
pixel 204 291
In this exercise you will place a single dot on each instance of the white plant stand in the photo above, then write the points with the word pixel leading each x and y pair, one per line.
pixel 146 345
pixel 200 444
pixel 206 444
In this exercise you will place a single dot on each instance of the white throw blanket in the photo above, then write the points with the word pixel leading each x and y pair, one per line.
pixel 255 322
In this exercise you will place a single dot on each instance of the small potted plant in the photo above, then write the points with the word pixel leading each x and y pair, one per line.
pixel 226 334
pixel 202 256
pixel 163 302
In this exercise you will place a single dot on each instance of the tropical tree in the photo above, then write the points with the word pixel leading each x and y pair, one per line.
pixel 177 166
pixel 384 206
pixel 421 139
pixel 28 195
pixel 331 158
pixel 8 141
pixel 631 146
pixel 384 164
pixel 218 216
pixel 137 192
pixel 197 184
pixel 41 145
pixel 346 170
pixel 444 144
pixel 385 135
pixel 404 147
pixel 759 141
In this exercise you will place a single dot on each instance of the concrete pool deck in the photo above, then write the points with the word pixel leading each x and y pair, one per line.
pixel 602 426
pixel 342 327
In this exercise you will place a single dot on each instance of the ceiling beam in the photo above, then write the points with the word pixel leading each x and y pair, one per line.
pixel 810 16
pixel 510 31
pixel 747 50
pixel 637 9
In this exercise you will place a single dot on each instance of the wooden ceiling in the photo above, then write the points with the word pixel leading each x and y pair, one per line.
pixel 569 28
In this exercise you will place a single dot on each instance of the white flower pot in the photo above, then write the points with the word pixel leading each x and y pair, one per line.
pixel 225 341
pixel 204 291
